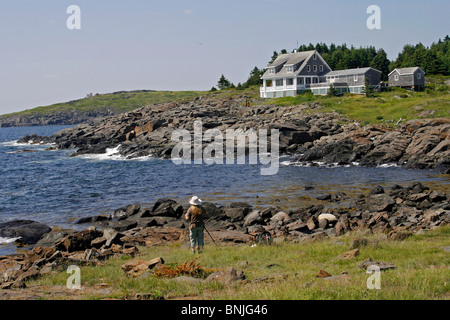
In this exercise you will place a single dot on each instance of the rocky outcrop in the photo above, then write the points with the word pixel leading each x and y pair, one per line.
pixel 411 208
pixel 398 212
pixel 56 118
pixel 26 231
pixel 319 137
pixel 415 144
pixel 148 130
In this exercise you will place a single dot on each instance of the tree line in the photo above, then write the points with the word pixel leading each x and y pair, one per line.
pixel 434 60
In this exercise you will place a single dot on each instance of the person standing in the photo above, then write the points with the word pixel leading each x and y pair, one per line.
pixel 195 216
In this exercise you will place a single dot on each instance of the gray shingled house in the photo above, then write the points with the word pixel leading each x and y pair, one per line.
pixel 291 73
pixel 348 80
pixel 411 78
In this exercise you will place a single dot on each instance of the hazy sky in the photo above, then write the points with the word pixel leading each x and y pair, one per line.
pixel 182 44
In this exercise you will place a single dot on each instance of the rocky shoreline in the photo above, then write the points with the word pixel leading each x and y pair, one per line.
pixel 69 117
pixel 397 212
pixel 311 136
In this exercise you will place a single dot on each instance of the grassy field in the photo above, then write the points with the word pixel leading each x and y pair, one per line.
pixel 385 107
pixel 118 102
pixel 286 271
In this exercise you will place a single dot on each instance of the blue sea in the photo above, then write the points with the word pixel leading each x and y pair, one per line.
pixel 51 187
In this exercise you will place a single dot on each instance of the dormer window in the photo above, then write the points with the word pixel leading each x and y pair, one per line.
pixel 272 70
pixel 289 69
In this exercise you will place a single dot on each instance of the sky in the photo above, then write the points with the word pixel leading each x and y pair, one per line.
pixel 182 44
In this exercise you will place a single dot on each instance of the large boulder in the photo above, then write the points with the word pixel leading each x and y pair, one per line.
pixel 78 241
pixel 166 208
pixel 379 202
pixel 28 231
pixel 252 218
pixel 238 213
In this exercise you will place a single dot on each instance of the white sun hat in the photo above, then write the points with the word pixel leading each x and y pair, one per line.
pixel 195 201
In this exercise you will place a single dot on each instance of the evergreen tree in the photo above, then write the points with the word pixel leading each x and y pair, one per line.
pixel 274 56
pixel 254 78
pixel 381 62
pixel 332 92
pixel 223 83
pixel 368 89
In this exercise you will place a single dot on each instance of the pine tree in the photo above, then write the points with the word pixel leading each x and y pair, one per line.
pixel 332 92
pixel 254 78
pixel 368 89
pixel 274 56
pixel 381 62
pixel 223 83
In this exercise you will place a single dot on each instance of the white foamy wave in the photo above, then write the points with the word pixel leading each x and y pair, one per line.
pixel 113 154
pixel 143 158
pixel 8 240
pixel 110 154
pixel 13 143
pixel 318 164
pixel 387 165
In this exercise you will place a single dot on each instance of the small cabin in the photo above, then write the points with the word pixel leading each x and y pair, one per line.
pixel 409 78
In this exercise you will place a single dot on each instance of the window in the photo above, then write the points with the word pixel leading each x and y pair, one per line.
pixel 314 56
pixel 272 70
pixel 299 80
pixel 315 80
pixel 355 77
pixel 321 68
pixel 289 82
pixel 289 69
pixel 308 68
pixel 396 77
pixel 279 83
pixel 315 68
pixel 419 75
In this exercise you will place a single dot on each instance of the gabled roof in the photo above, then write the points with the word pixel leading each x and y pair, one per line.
pixel 295 58
pixel 349 72
pixel 403 71
pixel 291 58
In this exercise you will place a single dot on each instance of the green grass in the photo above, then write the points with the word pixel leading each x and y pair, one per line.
pixel 385 107
pixel 131 100
pixel 118 102
pixel 288 270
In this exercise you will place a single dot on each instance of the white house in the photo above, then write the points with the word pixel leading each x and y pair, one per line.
pixel 292 73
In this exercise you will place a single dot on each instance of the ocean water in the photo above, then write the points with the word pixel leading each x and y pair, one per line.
pixel 50 187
